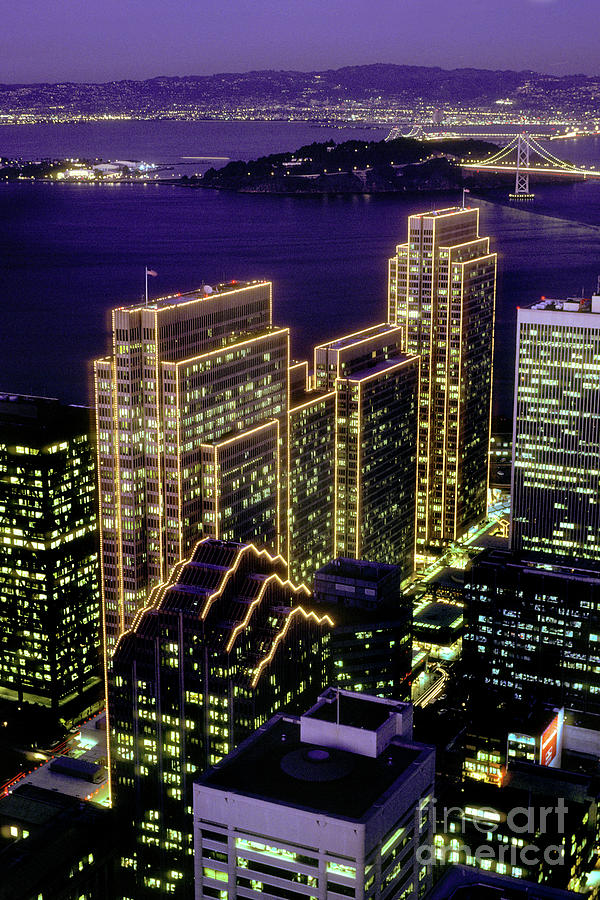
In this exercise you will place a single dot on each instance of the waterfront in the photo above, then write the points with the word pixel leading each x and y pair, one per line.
pixel 71 252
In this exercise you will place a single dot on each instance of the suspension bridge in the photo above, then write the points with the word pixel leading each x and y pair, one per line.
pixel 525 156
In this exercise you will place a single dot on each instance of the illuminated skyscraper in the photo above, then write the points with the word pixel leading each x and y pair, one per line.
pixel 442 286
pixel 556 438
pixel 376 396
pixel 312 482
pixel 533 629
pixel 192 435
pixel 49 585
pixel 222 646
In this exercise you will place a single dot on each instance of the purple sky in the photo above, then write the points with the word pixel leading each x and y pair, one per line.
pixel 56 40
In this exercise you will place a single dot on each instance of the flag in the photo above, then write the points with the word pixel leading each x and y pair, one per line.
pixel 466 191
pixel 151 272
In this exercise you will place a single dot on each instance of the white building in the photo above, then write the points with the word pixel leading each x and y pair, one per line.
pixel 329 805
pixel 556 438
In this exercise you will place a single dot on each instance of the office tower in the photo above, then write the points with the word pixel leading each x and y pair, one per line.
pixel 539 825
pixel 376 389
pixel 49 590
pixel 56 847
pixel 442 286
pixel 311 506
pixel 226 642
pixel 334 803
pixel 533 629
pixel 192 434
pixel 370 644
pixel 556 436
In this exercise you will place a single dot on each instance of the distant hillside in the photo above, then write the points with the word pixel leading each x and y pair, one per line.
pixel 377 84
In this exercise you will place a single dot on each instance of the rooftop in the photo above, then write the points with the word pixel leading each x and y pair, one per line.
pixel 384 365
pixel 438 615
pixel 360 569
pixel 204 292
pixel 468 883
pixel 274 765
pixel 38 421
pixel 351 339
pixel 588 571
pixel 570 305
pixel 354 711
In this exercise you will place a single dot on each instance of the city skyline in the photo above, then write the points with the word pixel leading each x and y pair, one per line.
pixel 112 42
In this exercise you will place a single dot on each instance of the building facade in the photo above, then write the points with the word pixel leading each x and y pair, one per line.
pixel 311 507
pixel 180 402
pixel 442 287
pixel 376 405
pixel 335 803
pixel 50 632
pixel 556 438
pixel 222 646
pixel 370 643
pixel 533 629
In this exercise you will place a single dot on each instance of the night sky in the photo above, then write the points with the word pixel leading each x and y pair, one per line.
pixel 67 40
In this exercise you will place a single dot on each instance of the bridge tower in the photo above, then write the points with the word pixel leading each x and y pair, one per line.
pixel 522 177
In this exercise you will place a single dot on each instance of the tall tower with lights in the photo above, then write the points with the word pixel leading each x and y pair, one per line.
pixel 191 407
pixel 442 290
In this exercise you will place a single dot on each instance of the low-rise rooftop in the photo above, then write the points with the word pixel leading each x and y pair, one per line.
pixel 275 765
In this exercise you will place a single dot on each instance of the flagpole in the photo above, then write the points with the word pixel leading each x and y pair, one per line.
pixel 146 271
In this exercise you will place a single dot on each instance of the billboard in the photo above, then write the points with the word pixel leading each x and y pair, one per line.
pixel 551 741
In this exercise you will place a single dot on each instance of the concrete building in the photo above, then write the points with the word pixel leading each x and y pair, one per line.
pixel 442 290
pixel 335 803
pixel 556 436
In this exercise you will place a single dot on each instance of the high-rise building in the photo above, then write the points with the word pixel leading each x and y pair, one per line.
pixel 376 396
pixel 556 437
pixel 54 847
pixel 442 286
pixel 191 411
pixel 370 643
pixel 335 803
pixel 311 506
pixel 533 629
pixel 49 587
pixel 222 646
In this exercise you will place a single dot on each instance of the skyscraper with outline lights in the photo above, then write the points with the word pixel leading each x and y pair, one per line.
pixel 556 430
pixel 311 506
pixel 377 389
pixel 442 287
pixel 222 646
pixel 191 409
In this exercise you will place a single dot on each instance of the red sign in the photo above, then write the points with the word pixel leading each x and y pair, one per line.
pixel 548 748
